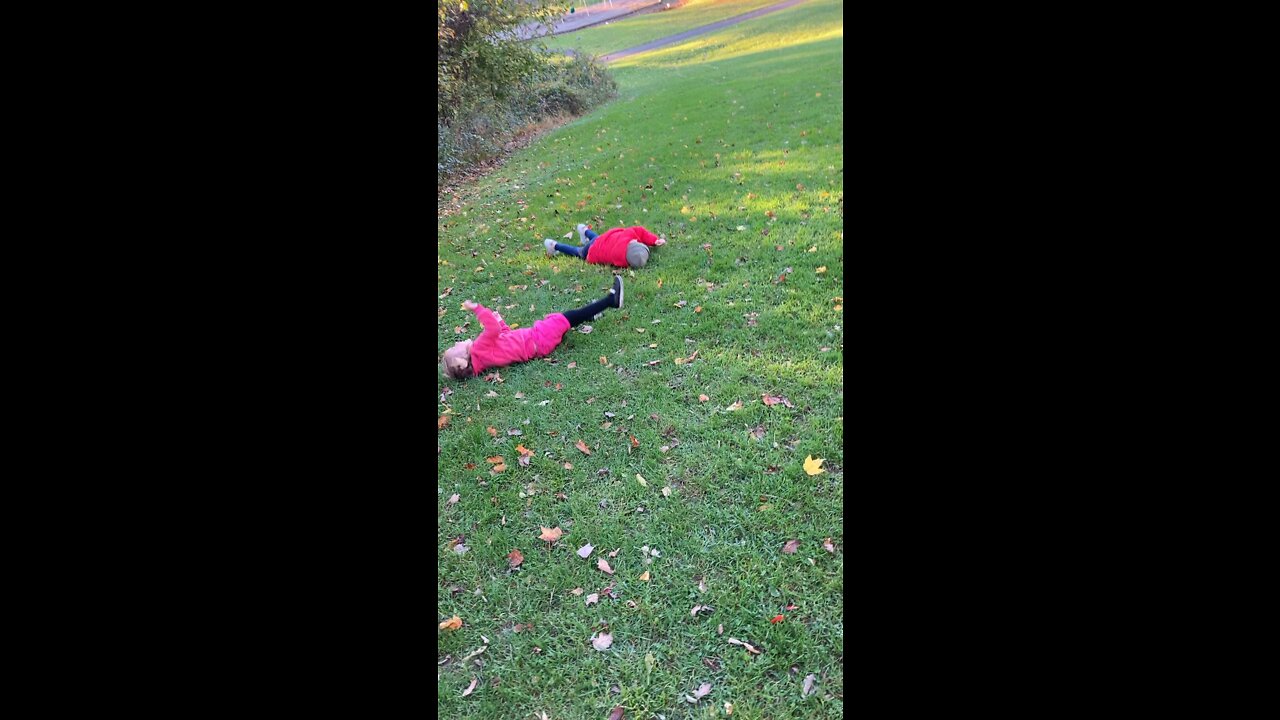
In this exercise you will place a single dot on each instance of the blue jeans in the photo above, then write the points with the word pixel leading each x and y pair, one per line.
pixel 579 251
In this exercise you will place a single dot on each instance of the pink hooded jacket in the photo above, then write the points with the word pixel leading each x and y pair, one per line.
pixel 499 345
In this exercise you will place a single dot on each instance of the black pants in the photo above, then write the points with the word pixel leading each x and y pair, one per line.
pixel 583 314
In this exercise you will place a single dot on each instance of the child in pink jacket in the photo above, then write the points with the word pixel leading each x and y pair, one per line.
pixel 499 345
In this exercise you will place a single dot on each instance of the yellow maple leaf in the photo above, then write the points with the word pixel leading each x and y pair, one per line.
pixel 452 623
pixel 821 269
pixel 811 466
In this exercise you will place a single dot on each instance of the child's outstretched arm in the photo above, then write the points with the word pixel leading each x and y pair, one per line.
pixel 647 237
pixel 486 317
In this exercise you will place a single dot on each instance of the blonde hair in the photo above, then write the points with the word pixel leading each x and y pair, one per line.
pixel 454 371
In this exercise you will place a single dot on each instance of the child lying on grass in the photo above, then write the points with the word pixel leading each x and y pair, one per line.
pixel 624 247
pixel 499 345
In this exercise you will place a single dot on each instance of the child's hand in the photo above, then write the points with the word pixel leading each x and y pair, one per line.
pixel 660 241
pixel 468 305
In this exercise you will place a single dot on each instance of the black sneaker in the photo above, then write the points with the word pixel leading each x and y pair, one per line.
pixel 617 290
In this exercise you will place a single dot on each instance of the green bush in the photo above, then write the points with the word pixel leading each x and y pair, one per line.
pixel 490 84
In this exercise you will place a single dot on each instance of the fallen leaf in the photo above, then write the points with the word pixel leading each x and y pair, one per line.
pixel 585 329
pixel 698 309
pixel 771 400
pixel 604 360
pixel 643 482
pixel 604 566
pixel 776 619
pixel 470 687
pixel 453 498
pixel 821 270
pixel 550 534
pixel 460 549
pixel 700 693
pixel 807 690
pixel 614 553
pixel 498 468
pixel 515 432
pixel 479 650
pixel 826 545
pixel 728 708
pixel 736 406
pixel 720 629
pixel 444 420
pixel 520 448
pixel 750 648
pixel 496 459
pixel 811 466
pixel 585 550
pixel 593 598
pixel 644 577
pixel 523 460
pixel 575 591
pixel 493 432
pixel 703 398
pixel 694 611
pixel 615 714
pixel 757 432
pixel 681 304
pixel 666 492
pixel 516 557
pixel 568 466
pixel 791 546
pixel 602 642
pixel 519 396
pixel 452 623
pixel 587 451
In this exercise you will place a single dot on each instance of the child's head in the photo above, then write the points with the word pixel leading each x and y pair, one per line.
pixel 456 361
pixel 637 254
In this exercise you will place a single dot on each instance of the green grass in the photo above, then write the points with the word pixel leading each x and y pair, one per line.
pixel 623 34
pixel 725 129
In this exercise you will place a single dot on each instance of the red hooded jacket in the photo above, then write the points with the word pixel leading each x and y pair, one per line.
pixel 611 247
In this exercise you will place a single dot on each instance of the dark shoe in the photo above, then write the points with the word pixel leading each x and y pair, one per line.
pixel 617 291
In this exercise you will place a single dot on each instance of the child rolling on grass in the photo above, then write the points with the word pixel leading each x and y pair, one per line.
pixel 623 247
pixel 499 345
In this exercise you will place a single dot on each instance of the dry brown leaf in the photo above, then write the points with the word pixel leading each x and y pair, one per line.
pixel 573 365
pixel 471 687
pixel 602 642
pixel 703 398
pixel 771 399
pixel 524 460
pixel 698 309
pixel 807 690
pixel 634 442
pixel 750 648
pixel 515 557
pixel 519 396
pixel 592 598
pixel 498 468
pixel 644 577
pixel 515 432
pixel 496 459
pixel 615 714
pixel 453 498
pixel 728 708
pixel 604 360
pixel 791 546
pixel 698 694
pixel 736 406
pixel 523 450
pixel 603 565
pixel 493 432
pixel 444 420
pixel 575 591
pixel 826 545
pixel 583 447
pixel 550 534
pixel 452 623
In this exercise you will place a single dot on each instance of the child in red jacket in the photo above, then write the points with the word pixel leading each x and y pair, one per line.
pixel 624 247
pixel 499 345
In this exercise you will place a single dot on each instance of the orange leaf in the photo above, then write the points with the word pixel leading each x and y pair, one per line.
pixel 771 399
pixel 791 546
pixel 523 450
pixel 583 447
pixel 492 431
pixel 634 442
pixel 442 422
pixel 452 623
pixel 703 398
pixel 496 459
pixel 551 534
pixel 499 467
pixel 516 557
pixel 776 619
pixel 645 576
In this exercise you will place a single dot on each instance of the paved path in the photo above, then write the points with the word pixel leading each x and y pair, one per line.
pixel 591 15
pixel 698 31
